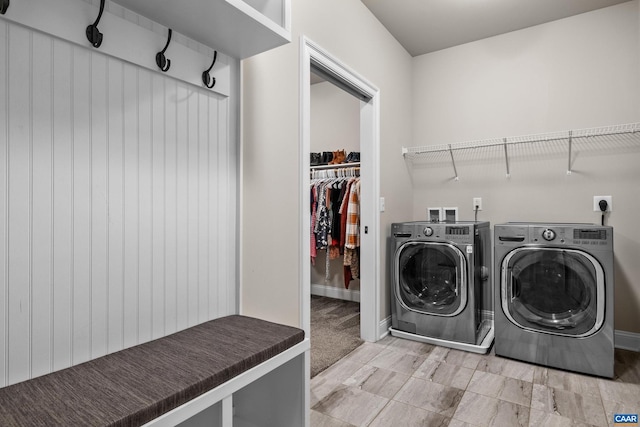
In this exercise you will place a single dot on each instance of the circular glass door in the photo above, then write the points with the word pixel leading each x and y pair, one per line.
pixel 559 291
pixel 431 278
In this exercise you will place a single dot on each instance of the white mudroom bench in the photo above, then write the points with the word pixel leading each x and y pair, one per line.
pixel 233 371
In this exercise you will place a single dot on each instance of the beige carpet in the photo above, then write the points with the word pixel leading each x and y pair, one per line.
pixel 335 331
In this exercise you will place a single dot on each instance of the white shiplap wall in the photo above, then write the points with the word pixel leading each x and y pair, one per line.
pixel 117 204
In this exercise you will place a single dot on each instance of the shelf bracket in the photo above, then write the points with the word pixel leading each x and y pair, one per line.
pixel 506 157
pixel 569 160
pixel 453 163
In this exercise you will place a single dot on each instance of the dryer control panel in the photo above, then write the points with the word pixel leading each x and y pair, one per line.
pixel 584 235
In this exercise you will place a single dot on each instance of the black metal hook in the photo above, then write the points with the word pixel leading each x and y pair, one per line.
pixel 161 60
pixel 206 77
pixel 93 34
pixel 4 5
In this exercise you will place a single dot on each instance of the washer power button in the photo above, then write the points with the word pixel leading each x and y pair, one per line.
pixel 548 234
pixel 428 231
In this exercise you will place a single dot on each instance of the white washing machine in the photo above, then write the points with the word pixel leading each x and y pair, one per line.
pixel 554 289
pixel 441 287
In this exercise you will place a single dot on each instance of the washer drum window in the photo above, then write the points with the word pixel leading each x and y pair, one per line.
pixel 557 291
pixel 431 278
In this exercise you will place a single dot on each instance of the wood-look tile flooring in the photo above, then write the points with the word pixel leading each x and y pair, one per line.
pixel 402 383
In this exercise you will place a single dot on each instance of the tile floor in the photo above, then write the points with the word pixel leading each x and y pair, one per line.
pixel 402 383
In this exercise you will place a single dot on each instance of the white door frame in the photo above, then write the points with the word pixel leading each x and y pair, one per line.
pixel 370 190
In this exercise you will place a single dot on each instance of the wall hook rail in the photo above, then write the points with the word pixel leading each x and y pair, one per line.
pixel 161 60
pixel 93 34
pixel 207 79
pixel 4 5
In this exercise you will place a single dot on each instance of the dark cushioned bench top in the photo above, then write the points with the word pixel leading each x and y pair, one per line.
pixel 136 385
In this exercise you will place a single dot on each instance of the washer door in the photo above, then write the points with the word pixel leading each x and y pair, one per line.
pixel 430 278
pixel 553 290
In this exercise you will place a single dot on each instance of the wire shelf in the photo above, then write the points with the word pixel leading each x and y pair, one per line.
pixel 627 133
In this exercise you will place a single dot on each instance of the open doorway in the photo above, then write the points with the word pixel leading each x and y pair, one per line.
pixel 334 192
pixel 315 59
pixel 335 166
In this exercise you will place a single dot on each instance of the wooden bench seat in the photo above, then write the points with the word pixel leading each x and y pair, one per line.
pixel 136 385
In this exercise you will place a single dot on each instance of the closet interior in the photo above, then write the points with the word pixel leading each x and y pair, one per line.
pixel 335 185
pixel 335 223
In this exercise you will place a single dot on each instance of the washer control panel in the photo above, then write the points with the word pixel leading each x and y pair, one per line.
pixel 548 234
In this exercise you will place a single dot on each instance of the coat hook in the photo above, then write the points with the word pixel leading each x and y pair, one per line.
pixel 93 34
pixel 4 5
pixel 206 78
pixel 161 60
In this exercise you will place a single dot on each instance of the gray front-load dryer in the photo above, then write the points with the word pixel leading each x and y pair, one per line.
pixel 440 279
pixel 554 295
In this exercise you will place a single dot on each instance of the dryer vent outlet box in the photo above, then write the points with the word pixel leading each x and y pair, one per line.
pixel 450 214
pixel 434 214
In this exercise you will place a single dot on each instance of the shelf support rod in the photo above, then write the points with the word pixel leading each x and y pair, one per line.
pixel 453 162
pixel 569 161
pixel 506 156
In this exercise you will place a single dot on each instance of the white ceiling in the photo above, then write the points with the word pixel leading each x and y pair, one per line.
pixel 424 26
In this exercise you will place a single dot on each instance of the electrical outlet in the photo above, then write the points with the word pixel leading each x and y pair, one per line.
pixel 596 201
pixel 477 201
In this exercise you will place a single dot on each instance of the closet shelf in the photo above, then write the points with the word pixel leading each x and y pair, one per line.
pixel 608 133
pixel 337 166
pixel 341 170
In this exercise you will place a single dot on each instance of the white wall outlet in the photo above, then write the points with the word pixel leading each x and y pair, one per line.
pixel 382 207
pixel 596 203
pixel 434 214
pixel 477 201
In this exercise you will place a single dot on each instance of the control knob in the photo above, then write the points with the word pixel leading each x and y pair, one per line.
pixel 428 231
pixel 548 234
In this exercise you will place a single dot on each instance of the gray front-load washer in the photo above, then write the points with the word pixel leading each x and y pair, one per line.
pixel 554 295
pixel 441 287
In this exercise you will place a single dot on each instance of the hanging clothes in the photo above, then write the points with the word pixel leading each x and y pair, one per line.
pixel 323 221
pixel 335 220
pixel 313 198
pixel 352 243
pixel 353 218
pixel 343 214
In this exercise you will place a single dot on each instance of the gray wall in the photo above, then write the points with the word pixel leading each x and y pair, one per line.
pixel 270 254
pixel 575 73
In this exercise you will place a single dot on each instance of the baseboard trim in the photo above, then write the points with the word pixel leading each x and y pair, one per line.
pixel 333 292
pixel 624 340
pixel 627 340
pixel 383 327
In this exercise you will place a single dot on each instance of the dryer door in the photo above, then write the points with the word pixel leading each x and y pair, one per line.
pixel 553 290
pixel 431 278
